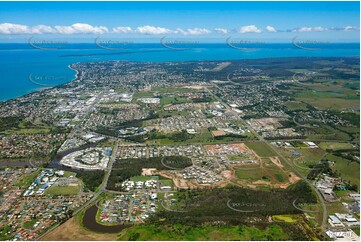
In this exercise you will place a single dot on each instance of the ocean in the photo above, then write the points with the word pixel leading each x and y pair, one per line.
pixel 25 69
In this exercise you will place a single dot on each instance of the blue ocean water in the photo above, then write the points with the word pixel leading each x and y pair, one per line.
pixel 21 64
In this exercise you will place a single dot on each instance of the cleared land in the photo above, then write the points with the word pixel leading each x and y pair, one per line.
pixel 71 230
pixel 334 146
pixel 349 170
pixel 261 148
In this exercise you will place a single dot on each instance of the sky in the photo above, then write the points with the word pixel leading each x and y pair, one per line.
pixel 149 21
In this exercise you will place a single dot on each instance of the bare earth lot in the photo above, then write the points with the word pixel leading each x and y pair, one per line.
pixel 71 230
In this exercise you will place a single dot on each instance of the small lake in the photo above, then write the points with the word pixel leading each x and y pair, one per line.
pixel 90 222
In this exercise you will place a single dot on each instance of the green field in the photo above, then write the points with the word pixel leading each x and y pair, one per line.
pixel 349 170
pixel 217 233
pixel 166 182
pixel 25 180
pixel 67 190
pixel 337 98
pixel 202 136
pixel 249 174
pixel 294 105
pixel 29 224
pixel 172 100
pixel 174 89
pixel 334 146
pixel 22 126
pixel 261 148
pixel 69 174
pixel 286 218
pixel 327 132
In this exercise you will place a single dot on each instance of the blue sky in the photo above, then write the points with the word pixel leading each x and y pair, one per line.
pixel 269 21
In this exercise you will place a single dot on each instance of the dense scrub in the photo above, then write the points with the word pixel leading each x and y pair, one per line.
pixel 234 206
pixel 91 179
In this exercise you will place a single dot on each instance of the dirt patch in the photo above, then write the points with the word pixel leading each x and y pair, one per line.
pixel 261 182
pixel 217 133
pixel 148 171
pixel 71 230
pixel 227 149
pixel 181 183
pixel 293 178
pixel 228 174
pixel 195 87
pixel 276 161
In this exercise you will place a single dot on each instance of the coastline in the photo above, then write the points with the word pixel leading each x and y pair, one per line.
pixel 77 74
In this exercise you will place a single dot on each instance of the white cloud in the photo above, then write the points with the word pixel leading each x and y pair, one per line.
pixel 42 29
pixel 194 31
pixel 122 30
pixel 349 28
pixel 271 29
pixel 319 29
pixel 311 29
pixel 304 29
pixel 152 30
pixel 249 29
pixel 80 28
pixel 8 28
pixel 221 31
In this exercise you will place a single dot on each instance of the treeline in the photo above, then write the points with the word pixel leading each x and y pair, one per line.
pixel 9 122
pixel 319 168
pixel 348 154
pixel 285 137
pixel 202 100
pixel 227 136
pixel 353 118
pixel 234 206
pixel 324 168
pixel 124 169
pixel 91 179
